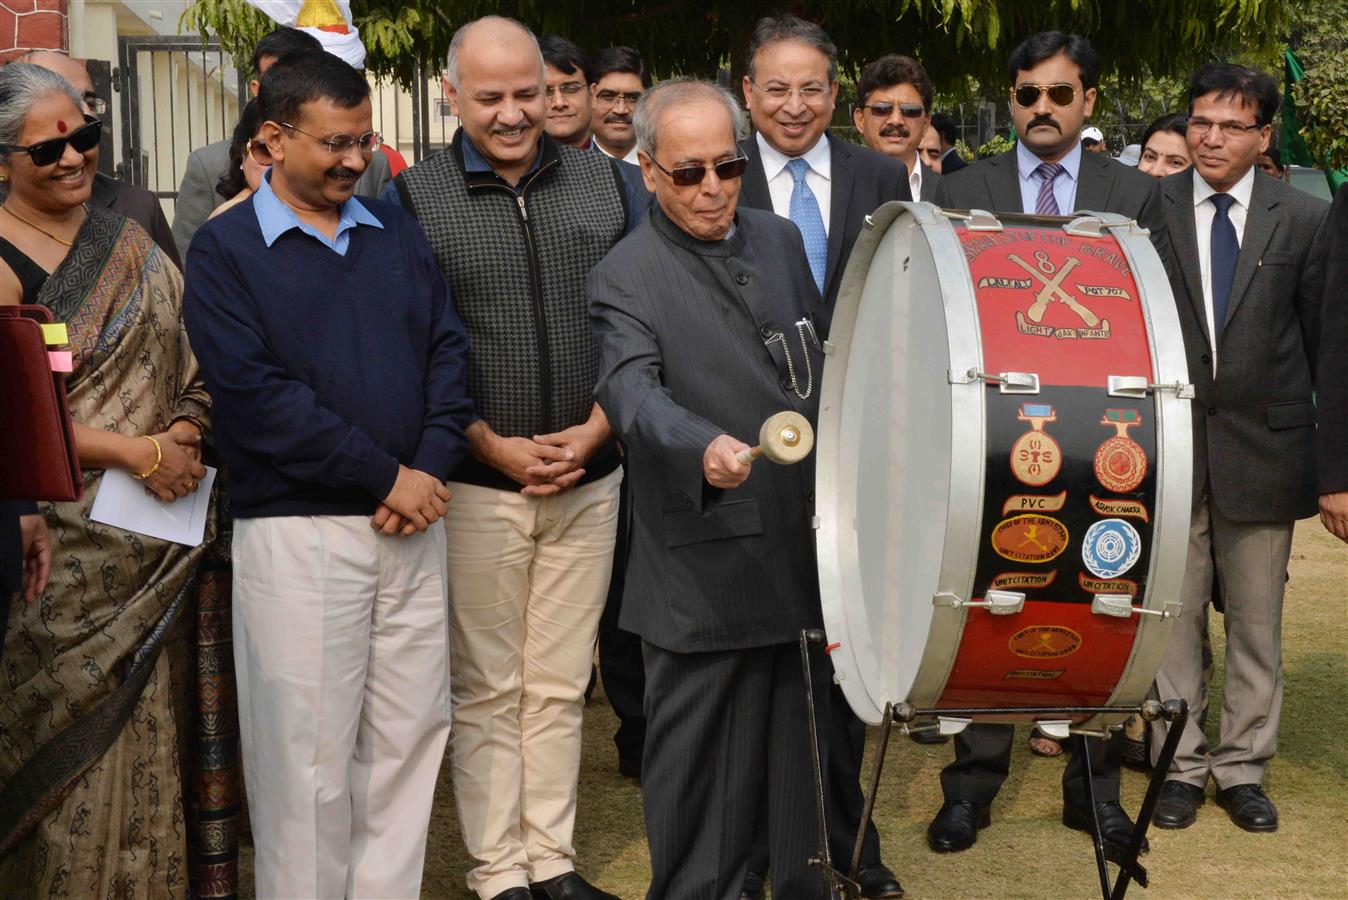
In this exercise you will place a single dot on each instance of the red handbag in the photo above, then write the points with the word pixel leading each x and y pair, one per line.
pixel 38 458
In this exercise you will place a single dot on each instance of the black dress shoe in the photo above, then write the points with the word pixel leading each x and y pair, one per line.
pixel 1115 826
pixel 877 882
pixel 568 886
pixel 956 825
pixel 752 889
pixel 928 737
pixel 1178 805
pixel 515 893
pixel 1249 807
pixel 629 767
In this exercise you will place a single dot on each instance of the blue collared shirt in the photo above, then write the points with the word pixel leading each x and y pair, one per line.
pixel 1064 188
pixel 275 219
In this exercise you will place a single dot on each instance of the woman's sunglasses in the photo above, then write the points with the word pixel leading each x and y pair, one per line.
pixel 1027 95
pixel 49 153
pixel 687 176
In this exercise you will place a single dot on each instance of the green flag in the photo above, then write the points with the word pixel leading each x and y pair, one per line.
pixel 1293 146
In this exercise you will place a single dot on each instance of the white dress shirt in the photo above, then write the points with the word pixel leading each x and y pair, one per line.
pixel 630 158
pixel 818 177
pixel 915 178
pixel 1064 186
pixel 1204 213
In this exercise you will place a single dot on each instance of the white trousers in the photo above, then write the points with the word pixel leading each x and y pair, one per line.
pixel 527 582
pixel 340 648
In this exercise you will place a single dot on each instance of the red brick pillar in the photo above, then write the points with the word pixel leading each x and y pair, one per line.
pixel 32 25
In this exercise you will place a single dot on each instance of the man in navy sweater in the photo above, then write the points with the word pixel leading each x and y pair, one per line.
pixel 337 366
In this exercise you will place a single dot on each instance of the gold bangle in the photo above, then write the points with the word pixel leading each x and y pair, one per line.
pixel 158 458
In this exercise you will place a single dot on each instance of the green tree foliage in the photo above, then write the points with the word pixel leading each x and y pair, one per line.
pixel 955 39
pixel 1319 36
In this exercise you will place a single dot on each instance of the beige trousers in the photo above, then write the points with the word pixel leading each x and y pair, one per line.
pixel 1251 561
pixel 340 643
pixel 527 581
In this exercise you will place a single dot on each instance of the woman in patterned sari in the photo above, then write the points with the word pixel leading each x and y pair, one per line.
pixel 98 681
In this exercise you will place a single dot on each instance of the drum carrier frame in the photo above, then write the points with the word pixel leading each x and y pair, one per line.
pixel 843 885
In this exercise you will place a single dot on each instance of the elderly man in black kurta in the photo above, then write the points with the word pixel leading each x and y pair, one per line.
pixel 707 319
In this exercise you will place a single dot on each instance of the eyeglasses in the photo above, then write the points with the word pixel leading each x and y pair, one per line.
pixel 97 105
pixel 340 144
pixel 810 94
pixel 611 98
pixel 49 153
pixel 687 176
pixel 569 88
pixel 885 110
pixel 1028 95
pixel 1233 130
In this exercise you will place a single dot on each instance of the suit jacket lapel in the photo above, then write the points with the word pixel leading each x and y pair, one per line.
pixel 841 181
pixel 1094 182
pixel 1260 223
pixel 1003 181
pixel 1178 197
pixel 754 192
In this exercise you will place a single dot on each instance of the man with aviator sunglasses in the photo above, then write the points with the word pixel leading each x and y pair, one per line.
pixel 894 114
pixel 1053 77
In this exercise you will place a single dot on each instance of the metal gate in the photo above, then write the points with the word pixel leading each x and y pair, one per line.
pixel 177 94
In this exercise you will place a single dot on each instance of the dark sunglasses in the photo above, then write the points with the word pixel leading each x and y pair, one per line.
pixel 49 153
pixel 1027 95
pixel 885 110
pixel 687 176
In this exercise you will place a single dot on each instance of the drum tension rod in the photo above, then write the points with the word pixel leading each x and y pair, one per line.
pixel 1138 386
pixel 1010 382
pixel 999 603
pixel 1121 606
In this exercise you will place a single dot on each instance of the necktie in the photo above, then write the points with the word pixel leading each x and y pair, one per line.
pixel 1047 204
pixel 1225 250
pixel 805 213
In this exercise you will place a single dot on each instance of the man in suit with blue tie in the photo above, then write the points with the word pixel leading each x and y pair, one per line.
pixel 1053 77
pixel 826 187
pixel 1250 257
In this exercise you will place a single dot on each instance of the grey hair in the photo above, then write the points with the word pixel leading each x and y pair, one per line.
pixel 654 102
pixel 775 29
pixel 22 85
pixel 456 45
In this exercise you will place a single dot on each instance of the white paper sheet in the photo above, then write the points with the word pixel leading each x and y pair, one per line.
pixel 123 503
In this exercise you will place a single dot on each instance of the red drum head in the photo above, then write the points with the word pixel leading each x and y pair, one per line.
pixel 1003 500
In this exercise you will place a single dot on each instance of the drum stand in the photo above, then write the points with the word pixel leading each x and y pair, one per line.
pixel 844 886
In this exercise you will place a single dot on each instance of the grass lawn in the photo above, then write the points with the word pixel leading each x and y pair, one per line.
pixel 1027 852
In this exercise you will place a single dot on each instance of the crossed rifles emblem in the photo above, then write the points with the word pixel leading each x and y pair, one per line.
pixel 1052 287
pixel 1031 534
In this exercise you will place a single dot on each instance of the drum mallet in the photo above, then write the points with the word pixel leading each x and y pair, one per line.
pixel 785 438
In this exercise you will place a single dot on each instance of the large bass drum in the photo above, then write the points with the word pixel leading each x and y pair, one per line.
pixel 1004 464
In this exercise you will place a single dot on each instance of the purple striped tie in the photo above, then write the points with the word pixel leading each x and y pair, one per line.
pixel 1047 204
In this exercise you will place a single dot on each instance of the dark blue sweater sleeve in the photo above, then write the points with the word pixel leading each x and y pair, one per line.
pixel 449 410
pixel 285 423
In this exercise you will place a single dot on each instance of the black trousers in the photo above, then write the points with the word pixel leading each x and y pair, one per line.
pixel 620 651
pixel 983 759
pixel 727 732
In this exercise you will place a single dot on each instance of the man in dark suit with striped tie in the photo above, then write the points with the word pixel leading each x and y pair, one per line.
pixel 708 323
pixel 1053 77
pixel 827 187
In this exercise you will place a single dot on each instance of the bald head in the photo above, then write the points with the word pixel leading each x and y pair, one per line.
pixel 69 69
pixel 488 39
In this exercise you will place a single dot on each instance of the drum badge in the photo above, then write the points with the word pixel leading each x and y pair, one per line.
pixel 1035 456
pixel 1115 508
pixel 1050 278
pixel 1111 548
pixel 1030 503
pixel 1044 642
pixel 1029 539
pixel 1120 462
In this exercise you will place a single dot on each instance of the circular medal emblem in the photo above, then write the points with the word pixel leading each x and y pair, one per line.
pixel 1120 464
pixel 1111 547
pixel 1035 458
